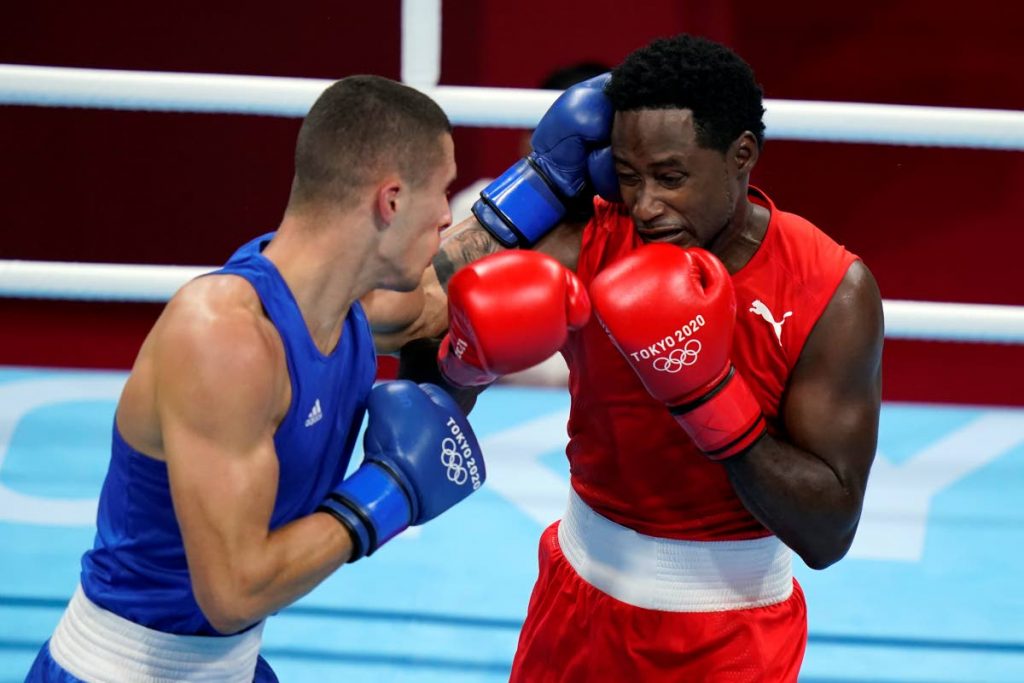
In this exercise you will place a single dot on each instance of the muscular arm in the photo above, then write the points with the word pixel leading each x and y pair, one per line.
pixel 222 389
pixel 464 243
pixel 396 318
pixel 413 323
pixel 469 241
pixel 400 317
pixel 808 486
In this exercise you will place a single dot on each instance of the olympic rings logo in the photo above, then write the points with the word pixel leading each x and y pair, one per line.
pixel 679 358
pixel 452 460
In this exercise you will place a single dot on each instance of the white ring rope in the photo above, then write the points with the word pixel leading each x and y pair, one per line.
pixel 421 43
pixel 954 322
pixel 795 120
pixel 494 107
pixel 94 281
pixel 148 283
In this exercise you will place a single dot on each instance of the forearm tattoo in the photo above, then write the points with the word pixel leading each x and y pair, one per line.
pixel 461 249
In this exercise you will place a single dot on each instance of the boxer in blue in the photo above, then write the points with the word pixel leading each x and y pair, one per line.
pixel 225 499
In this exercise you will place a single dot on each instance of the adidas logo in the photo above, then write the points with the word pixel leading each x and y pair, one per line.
pixel 315 415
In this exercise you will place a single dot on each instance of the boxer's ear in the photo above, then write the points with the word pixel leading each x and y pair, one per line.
pixel 388 198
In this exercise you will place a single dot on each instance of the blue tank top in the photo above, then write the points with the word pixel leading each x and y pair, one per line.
pixel 137 567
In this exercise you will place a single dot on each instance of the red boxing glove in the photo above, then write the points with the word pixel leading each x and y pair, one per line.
pixel 506 313
pixel 671 312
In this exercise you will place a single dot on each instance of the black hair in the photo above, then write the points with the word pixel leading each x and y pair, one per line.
pixel 689 72
pixel 360 127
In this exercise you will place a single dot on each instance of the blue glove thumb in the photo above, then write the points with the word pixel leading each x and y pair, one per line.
pixel 601 171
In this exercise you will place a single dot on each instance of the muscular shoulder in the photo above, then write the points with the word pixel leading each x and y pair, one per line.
pixel 856 306
pixel 850 329
pixel 214 345
pixel 210 313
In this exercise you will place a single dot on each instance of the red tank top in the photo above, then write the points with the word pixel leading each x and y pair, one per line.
pixel 628 458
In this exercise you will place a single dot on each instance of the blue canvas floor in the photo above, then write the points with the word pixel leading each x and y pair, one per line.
pixel 930 591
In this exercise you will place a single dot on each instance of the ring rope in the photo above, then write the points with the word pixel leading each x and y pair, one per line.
pixel 150 283
pixel 470 106
pixel 492 107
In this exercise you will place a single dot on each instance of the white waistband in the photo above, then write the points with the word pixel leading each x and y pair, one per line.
pixel 670 575
pixel 96 645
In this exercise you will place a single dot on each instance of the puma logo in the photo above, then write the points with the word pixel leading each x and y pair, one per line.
pixel 758 308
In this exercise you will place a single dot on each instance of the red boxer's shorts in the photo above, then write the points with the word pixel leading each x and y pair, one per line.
pixel 614 605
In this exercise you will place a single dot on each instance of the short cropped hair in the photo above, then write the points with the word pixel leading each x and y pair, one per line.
pixel 359 128
pixel 689 72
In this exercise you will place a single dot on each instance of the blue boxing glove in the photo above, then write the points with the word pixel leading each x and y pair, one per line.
pixel 421 458
pixel 603 178
pixel 530 199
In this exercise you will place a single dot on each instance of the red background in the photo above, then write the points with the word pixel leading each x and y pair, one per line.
pixel 97 185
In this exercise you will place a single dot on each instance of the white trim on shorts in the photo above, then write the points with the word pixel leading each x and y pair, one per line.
pixel 97 645
pixel 670 575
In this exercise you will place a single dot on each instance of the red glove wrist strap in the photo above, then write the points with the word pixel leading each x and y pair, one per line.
pixel 461 366
pixel 725 421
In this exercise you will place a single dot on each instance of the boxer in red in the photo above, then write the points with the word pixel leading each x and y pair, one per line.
pixel 725 389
